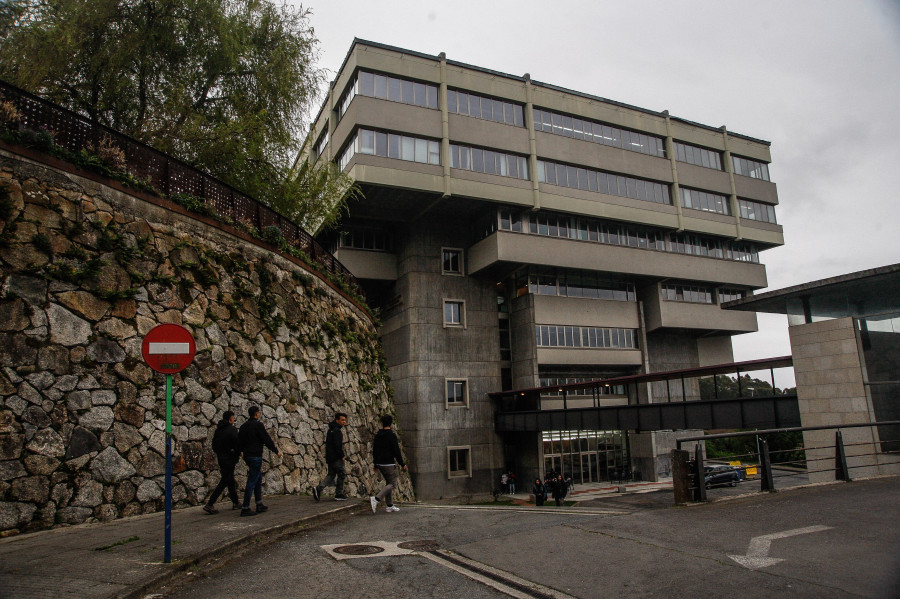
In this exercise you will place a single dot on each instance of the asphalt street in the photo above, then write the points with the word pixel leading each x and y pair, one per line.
pixel 840 540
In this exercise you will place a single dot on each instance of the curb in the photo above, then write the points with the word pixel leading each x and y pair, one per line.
pixel 233 549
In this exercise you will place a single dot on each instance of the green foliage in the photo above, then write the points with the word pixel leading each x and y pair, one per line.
pixel 273 235
pixel 783 448
pixel 193 203
pixel 221 84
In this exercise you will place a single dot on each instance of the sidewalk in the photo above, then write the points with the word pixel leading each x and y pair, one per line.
pixel 124 558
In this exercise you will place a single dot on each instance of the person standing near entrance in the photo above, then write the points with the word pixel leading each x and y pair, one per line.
pixel 225 445
pixel 252 438
pixel 385 451
pixel 540 492
pixel 334 457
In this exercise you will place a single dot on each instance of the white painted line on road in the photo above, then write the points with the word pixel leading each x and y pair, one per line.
pixel 169 348
pixel 758 551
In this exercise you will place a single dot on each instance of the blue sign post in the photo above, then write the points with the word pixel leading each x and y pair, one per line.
pixel 168 348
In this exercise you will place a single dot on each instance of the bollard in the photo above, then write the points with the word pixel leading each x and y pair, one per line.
pixel 681 480
pixel 701 473
pixel 766 482
pixel 841 471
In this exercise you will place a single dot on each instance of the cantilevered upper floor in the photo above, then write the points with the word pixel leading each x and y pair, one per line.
pixel 419 131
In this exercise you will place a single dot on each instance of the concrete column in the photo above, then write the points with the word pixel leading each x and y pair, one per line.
pixel 532 157
pixel 732 199
pixel 445 125
pixel 676 194
pixel 830 391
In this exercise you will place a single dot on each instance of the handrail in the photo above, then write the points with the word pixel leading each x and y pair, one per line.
pixel 170 176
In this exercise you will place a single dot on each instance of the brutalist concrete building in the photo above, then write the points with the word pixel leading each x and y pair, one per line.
pixel 515 234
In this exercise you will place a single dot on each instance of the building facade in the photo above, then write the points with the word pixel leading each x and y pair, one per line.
pixel 515 234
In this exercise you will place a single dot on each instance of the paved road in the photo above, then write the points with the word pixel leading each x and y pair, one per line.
pixel 835 541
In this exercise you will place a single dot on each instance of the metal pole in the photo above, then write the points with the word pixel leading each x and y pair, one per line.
pixel 766 482
pixel 168 542
pixel 701 472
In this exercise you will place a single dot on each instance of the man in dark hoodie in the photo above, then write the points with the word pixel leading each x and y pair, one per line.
pixel 225 445
pixel 334 457
pixel 252 437
pixel 385 450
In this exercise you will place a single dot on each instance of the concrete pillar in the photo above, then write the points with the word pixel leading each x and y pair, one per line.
pixel 830 391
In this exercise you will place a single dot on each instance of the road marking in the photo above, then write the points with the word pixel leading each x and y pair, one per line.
pixel 758 551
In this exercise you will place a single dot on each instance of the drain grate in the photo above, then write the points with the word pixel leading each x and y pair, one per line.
pixel 358 549
pixel 419 545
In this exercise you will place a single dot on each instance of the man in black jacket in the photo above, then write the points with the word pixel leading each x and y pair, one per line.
pixel 252 438
pixel 225 445
pixel 334 457
pixel 386 449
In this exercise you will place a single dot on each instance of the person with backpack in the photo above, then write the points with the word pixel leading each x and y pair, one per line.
pixel 225 446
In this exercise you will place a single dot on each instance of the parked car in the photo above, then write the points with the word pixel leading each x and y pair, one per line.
pixel 717 476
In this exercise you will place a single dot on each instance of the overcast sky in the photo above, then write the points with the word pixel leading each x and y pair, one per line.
pixel 818 79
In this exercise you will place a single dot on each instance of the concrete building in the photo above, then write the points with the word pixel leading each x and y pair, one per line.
pixel 845 340
pixel 517 234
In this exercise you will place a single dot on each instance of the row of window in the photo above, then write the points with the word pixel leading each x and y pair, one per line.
pixel 402 147
pixel 697 294
pixel 698 156
pixel 488 161
pixel 568 126
pixel 365 239
pixel 750 168
pixel 554 173
pixel 757 211
pixel 558 381
pixel 704 200
pixel 389 88
pixel 563 283
pixel 323 141
pixel 407 91
pixel 548 335
pixel 712 247
pixel 480 107
pixel 612 233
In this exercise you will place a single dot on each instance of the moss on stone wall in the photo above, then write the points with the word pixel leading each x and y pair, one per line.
pixel 87 271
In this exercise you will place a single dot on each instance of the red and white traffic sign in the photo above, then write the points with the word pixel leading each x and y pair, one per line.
pixel 168 348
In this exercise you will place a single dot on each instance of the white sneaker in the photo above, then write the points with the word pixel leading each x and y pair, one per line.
pixel 392 508
pixel 374 503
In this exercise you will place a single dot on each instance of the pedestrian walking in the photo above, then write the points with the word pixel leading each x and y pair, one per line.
pixel 511 481
pixel 385 452
pixel 540 492
pixel 225 446
pixel 504 483
pixel 334 457
pixel 252 437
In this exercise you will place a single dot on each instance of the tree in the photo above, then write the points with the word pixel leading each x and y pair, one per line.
pixel 220 84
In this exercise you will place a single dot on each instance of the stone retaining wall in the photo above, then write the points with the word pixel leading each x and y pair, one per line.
pixel 85 271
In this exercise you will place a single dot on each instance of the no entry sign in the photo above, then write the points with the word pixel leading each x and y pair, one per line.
pixel 168 348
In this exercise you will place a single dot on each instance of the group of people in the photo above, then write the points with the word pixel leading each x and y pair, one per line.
pixel 555 485
pixel 229 443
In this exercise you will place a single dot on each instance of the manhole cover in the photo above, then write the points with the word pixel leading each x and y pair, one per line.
pixel 358 549
pixel 419 545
